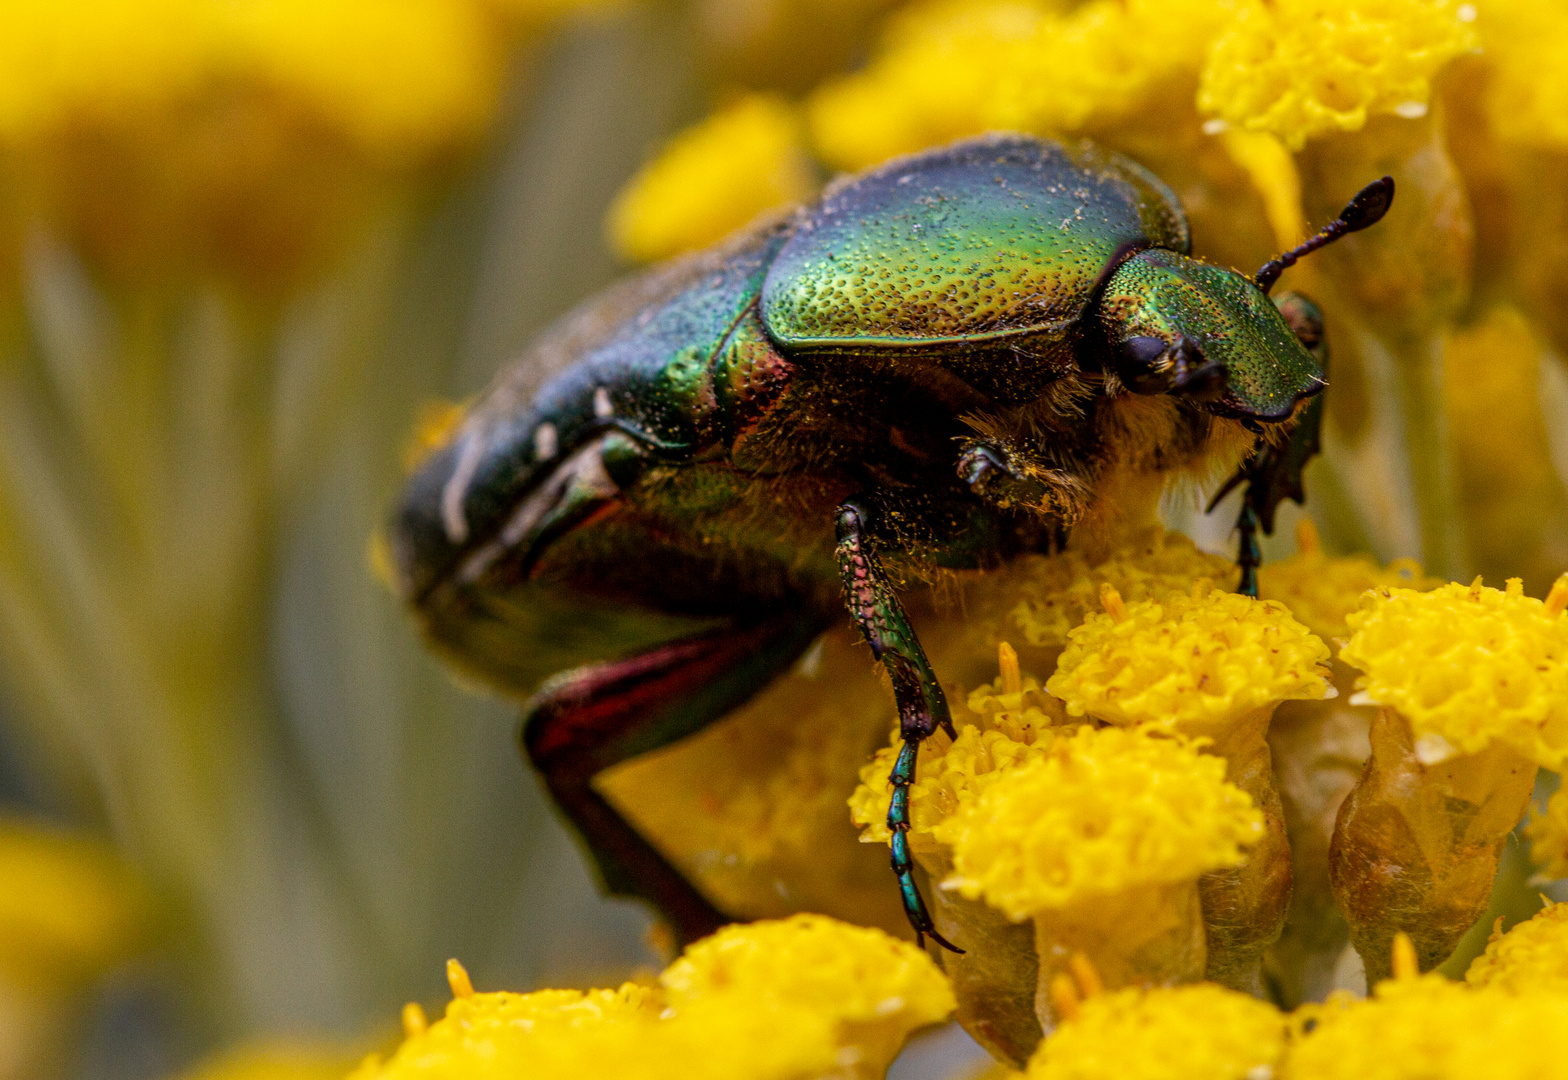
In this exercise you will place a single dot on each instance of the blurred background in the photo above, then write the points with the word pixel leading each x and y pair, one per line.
pixel 248 251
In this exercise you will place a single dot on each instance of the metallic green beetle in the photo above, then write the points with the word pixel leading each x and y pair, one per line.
pixel 946 362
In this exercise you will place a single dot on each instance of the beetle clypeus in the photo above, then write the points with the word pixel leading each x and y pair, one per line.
pixel 945 360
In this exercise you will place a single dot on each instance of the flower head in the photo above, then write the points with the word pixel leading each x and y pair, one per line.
pixel 1533 956
pixel 1466 666
pixel 1201 1032
pixel 1321 590
pixel 1298 68
pixel 789 999
pixel 1149 566
pixel 1203 659
pixel 712 179
pixel 1101 811
pixel 1430 1028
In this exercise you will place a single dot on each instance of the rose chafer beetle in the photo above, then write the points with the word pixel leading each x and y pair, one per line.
pixel 952 359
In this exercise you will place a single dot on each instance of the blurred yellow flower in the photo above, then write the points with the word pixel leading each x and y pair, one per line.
pixel 712 179
pixel 194 133
pixel 786 1000
pixel 1321 590
pixel 1548 833
pixel 69 908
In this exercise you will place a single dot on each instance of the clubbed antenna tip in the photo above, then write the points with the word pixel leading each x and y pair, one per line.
pixel 1367 208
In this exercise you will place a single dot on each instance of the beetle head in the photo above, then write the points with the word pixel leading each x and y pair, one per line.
pixel 1175 325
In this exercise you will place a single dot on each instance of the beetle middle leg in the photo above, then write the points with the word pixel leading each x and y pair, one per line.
pixel 922 707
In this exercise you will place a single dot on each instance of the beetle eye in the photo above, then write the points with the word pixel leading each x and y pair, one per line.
pixel 1141 352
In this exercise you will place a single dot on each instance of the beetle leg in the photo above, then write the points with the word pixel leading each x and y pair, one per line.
pixel 922 707
pixel 585 720
pixel 1249 556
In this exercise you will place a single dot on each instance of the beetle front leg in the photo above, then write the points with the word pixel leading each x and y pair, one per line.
pixel 922 707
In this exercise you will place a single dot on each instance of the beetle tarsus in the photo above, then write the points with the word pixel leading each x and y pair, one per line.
pixel 922 707
pixel 1249 556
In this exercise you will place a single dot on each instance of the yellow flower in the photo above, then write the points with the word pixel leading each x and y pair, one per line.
pixel 1467 666
pixel 1298 68
pixel 1548 833
pixel 1202 659
pixel 175 135
pixel 1321 591
pixel 1066 588
pixel 68 908
pixel 408 80
pixel 1531 957
pixel 786 1000
pixel 1201 1032
pixel 712 179
pixel 950 69
pixel 1101 811
pixel 1429 1028
pixel 1013 726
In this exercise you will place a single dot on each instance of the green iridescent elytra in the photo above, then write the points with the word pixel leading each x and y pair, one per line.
pixel 938 363
pixel 922 256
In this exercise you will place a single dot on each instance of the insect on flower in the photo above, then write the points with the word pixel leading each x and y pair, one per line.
pixel 945 362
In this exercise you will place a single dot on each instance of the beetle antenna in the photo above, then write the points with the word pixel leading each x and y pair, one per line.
pixel 1367 208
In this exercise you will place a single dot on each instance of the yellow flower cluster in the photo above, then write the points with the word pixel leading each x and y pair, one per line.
pixel 1429 1028
pixel 1012 721
pixel 1321 591
pixel 1201 1032
pixel 1504 678
pixel 1203 658
pixel 1066 589
pixel 951 69
pixel 806 996
pixel 410 79
pixel 712 179
pixel 1532 956
pixel 1298 68
pixel 1101 811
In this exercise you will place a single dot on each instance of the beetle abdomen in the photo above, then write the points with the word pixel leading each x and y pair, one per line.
pixel 990 238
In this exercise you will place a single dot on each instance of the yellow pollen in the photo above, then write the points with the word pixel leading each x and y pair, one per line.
pixel 1012 677
pixel 1201 588
pixel 415 1023
pixel 1308 542
pixel 1405 964
pixel 457 978
pixel 1557 599
pixel 1475 588
pixel 1514 586
pixel 1086 975
pixel 1064 997
pixel 1111 601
